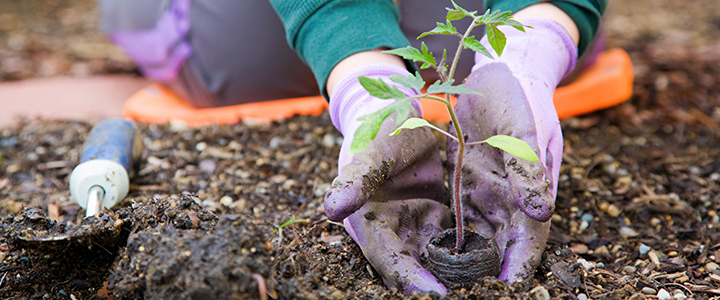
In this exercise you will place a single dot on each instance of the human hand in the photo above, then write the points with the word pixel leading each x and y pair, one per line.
pixel 389 195
pixel 505 197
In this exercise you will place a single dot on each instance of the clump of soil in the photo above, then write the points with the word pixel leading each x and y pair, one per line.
pixel 62 258
pixel 168 263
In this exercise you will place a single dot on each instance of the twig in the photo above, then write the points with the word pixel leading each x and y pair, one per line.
pixel 679 285
pixel 336 223
pixel 262 288
pixel 3 279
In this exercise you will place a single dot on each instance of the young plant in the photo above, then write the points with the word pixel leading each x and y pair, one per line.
pixel 443 87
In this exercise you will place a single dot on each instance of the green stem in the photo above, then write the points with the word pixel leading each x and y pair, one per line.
pixel 456 58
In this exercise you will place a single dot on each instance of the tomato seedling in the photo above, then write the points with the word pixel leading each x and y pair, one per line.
pixel 441 91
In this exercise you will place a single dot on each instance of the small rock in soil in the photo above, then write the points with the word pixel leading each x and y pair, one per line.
pixel 648 290
pixel 643 249
pixel 663 295
pixel 540 293
pixel 627 232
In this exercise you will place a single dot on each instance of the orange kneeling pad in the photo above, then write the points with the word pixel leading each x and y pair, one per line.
pixel 604 84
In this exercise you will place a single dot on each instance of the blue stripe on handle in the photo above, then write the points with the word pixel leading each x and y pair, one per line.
pixel 111 139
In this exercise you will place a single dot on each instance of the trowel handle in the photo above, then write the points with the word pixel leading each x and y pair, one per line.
pixel 115 140
pixel 108 160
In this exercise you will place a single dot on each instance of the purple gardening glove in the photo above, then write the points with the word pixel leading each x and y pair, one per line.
pixel 503 196
pixel 388 195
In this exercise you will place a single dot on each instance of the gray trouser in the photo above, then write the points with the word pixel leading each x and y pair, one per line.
pixel 239 52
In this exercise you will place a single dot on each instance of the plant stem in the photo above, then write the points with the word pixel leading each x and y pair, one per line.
pixel 456 58
pixel 458 173
pixel 461 146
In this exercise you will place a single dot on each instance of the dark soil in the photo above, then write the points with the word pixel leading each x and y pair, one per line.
pixel 636 211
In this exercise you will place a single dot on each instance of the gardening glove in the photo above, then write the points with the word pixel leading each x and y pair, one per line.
pixel 389 194
pixel 505 197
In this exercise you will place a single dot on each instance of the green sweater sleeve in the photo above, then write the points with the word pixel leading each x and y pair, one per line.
pixel 324 32
pixel 585 13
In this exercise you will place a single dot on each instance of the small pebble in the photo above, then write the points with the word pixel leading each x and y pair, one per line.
pixel 540 293
pixel 603 206
pixel 663 294
pixel 602 251
pixel 201 146
pixel 582 297
pixel 226 201
pixel 289 184
pixel 209 204
pixel 627 232
pixel 613 211
pixel 629 269
pixel 711 266
pixel 556 218
pixel 600 265
pixel 208 166
pixel 654 257
pixel 715 176
pixel 584 225
pixel 655 222
pixel 644 249
pixel 275 142
pixel 677 293
pixel 649 291
pixel 12 141
pixel 240 204
pixel 13 169
pixel 695 170
pixel 328 140
pixel 579 248
pixel 40 150
pixel 242 174
pixel 586 264
pixel 587 217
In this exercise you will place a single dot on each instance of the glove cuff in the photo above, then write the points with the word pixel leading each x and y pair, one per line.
pixel 545 51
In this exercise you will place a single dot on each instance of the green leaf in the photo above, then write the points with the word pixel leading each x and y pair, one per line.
pixel 513 146
pixel 426 57
pixel 414 82
pixel 516 24
pixel 454 15
pixel 445 29
pixel 408 52
pixel 372 122
pixel 447 87
pixel 496 17
pixel 457 12
pixel 473 44
pixel 500 18
pixel 410 124
pixel 380 89
pixel 496 38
